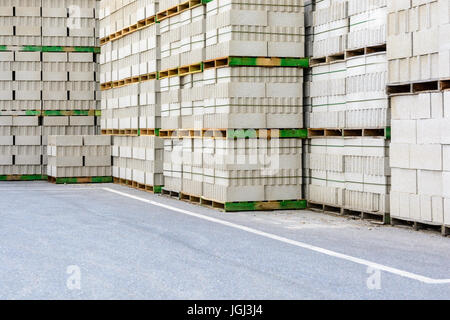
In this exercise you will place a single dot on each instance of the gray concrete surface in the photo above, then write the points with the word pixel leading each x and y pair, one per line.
pixel 128 249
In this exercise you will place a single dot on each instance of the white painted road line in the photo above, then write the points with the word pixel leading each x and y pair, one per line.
pixel 338 255
pixel 46 190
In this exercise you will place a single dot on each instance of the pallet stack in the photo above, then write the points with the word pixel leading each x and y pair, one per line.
pixel 130 62
pixel 419 79
pixel 79 159
pixel 48 80
pixel 349 117
pixel 231 116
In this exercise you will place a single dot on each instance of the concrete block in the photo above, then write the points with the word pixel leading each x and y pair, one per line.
pixel 404 180
pixel 430 183
pixel 25 121
pixel 6 140
pixel 82 120
pixel 404 131
pixel 97 140
pixel 399 155
pixel 28 140
pixel 437 209
pixel 68 141
pixel 426 208
pixel 97 161
pixel 427 157
pixel 56 121
pixel 27 56
pixel 28 160
pixel 54 57
pixel 81 57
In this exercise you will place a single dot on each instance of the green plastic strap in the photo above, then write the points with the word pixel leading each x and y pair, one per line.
pixel 157 132
pixel 23 178
pixel 32 113
pixel 102 179
pixel 31 48
pixel 254 61
pixel 256 206
pixel 294 133
pixel 295 62
pixel 76 180
pixel 388 133
pixel 241 133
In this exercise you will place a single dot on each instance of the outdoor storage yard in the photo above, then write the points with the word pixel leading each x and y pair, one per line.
pixel 129 244
pixel 232 149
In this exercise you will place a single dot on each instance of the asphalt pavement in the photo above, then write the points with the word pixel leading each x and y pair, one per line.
pixel 112 242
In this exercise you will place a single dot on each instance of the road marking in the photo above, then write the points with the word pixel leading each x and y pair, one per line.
pixel 303 245
pixel 50 190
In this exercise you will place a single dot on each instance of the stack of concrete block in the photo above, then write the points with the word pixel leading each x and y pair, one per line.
pixel 71 23
pixel 252 170
pixel 66 125
pixel 417 43
pixel 170 102
pixel 367 20
pixel 130 102
pixel 420 152
pixel 253 97
pixel 138 160
pixel 79 156
pixel 328 96
pixel 21 80
pixel 349 115
pixel 131 99
pixel 255 29
pixel 331 27
pixel 173 165
pixel 20 144
pixel 69 81
pixel 418 51
pixel 183 37
pixel 200 110
pixel 350 173
pixel 48 75
pixel 21 23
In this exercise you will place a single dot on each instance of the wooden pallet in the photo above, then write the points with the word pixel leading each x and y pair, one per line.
pixel 234 61
pixel 190 198
pixel 182 71
pixel 373 217
pixel 49 49
pixel 235 133
pixel 50 113
pixel 418 87
pixel 337 57
pixel 170 193
pixel 121 132
pixel 33 177
pixel 364 51
pixel 142 24
pixel 79 180
pixel 347 133
pixel 255 205
pixel 237 206
pixel 137 185
pixel 421 225
pixel 149 132
pixel 128 81
pixel 178 9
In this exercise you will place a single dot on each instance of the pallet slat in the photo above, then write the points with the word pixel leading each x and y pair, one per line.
pixel 76 180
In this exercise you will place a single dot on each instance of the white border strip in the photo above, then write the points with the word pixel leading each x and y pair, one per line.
pixel 338 255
